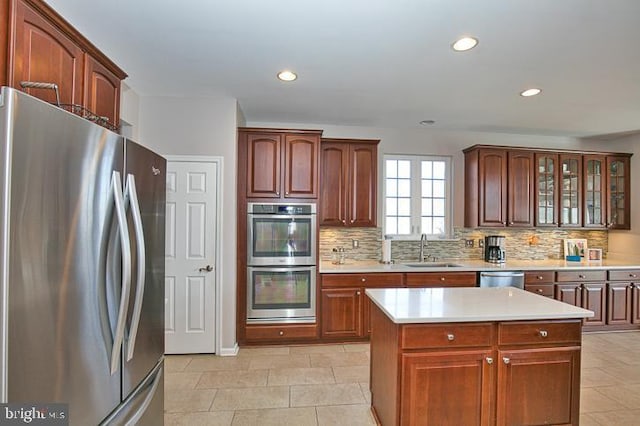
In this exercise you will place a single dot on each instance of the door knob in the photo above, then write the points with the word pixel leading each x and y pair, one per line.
pixel 207 268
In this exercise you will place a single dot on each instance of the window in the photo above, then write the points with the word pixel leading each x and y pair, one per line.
pixel 417 196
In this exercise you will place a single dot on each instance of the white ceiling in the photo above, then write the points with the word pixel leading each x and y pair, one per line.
pixel 385 63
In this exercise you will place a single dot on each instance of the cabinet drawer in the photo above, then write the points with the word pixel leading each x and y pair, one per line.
pixel 541 289
pixel 441 279
pixel 417 336
pixel 362 280
pixel 281 332
pixel 624 275
pixel 568 276
pixel 539 277
pixel 539 332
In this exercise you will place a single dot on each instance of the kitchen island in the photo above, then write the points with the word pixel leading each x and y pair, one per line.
pixel 474 356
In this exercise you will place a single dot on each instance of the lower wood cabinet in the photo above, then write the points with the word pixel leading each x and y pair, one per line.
pixel 342 312
pixel 281 332
pixel 548 379
pixel 456 386
pixel 441 279
pixel 590 296
pixel 623 298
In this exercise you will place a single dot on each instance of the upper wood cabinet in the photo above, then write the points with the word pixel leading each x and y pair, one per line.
pixel 498 188
pixel 348 180
pixel 618 185
pixel 281 163
pixel 101 91
pixel 38 45
pixel 527 187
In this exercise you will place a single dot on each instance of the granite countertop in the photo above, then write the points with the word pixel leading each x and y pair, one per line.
pixel 439 305
pixel 326 267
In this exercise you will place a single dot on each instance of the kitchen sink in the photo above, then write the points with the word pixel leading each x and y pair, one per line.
pixel 432 265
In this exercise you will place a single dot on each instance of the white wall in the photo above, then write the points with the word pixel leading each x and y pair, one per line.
pixel 203 126
pixel 130 111
pixel 436 142
pixel 626 244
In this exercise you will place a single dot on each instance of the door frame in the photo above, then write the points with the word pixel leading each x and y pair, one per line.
pixel 218 161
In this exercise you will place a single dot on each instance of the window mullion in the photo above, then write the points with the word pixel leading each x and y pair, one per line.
pixel 416 195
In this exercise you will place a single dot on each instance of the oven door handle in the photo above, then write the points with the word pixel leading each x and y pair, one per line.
pixel 281 216
pixel 282 269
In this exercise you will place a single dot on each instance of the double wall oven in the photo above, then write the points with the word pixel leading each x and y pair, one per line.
pixel 281 259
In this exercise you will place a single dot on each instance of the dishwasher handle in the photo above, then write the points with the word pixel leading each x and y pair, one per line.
pixel 502 274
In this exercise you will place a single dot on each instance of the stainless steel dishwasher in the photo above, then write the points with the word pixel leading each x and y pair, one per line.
pixel 502 279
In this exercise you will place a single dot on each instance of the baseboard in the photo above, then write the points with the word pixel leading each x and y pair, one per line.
pixel 229 351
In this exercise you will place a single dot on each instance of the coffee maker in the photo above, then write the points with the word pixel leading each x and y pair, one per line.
pixel 494 249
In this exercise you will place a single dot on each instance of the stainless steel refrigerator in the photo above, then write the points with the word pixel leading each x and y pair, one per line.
pixel 82 222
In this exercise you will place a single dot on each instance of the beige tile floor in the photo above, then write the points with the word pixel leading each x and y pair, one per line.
pixel 328 385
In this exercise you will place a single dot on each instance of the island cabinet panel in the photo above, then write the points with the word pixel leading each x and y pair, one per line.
pixel 456 386
pixel 441 279
pixel 538 386
pixel 484 373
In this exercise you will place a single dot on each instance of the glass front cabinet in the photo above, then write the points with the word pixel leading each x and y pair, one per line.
pixel 546 193
pixel 618 186
pixel 570 190
pixel 594 191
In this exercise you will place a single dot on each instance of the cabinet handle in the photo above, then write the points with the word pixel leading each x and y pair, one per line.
pixel 278 193
pixel 358 292
pixel 363 279
pixel 540 277
pixel 506 360
pixel 442 278
pixel 344 222
pixel 450 337
pixel 504 223
pixel 632 285
pixel 543 333
pixel 352 220
pixel 539 290
pixel 489 360
pixel 281 333
pixel 510 223
pixel 632 275
pixel 581 276
pixel 286 193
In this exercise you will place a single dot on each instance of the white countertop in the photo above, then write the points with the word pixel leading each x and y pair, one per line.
pixel 439 305
pixel 326 267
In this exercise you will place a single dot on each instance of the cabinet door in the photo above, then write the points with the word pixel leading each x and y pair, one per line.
pixel 492 171
pixel 594 299
pixel 520 190
pixel 618 190
pixel 452 386
pixel 569 293
pixel 363 160
pixel 263 165
pixel 594 191
pixel 102 91
pixel 342 312
pixel 546 192
pixel 635 308
pixel 619 297
pixel 333 176
pixel 43 54
pixel 547 379
pixel 301 166
pixel 570 190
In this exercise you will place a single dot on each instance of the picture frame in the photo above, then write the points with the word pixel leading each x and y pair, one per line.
pixel 594 255
pixel 575 249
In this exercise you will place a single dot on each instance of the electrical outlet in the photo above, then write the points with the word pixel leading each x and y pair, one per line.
pixel 468 243
pixel 480 243
pixel 355 244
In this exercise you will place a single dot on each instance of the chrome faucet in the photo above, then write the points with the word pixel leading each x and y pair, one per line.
pixel 423 242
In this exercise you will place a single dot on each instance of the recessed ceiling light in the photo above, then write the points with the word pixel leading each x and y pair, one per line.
pixel 530 92
pixel 427 122
pixel 287 75
pixel 464 43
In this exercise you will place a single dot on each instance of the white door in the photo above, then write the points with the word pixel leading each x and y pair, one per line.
pixel 190 257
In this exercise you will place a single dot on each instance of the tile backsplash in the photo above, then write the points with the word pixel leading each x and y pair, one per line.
pixel 523 244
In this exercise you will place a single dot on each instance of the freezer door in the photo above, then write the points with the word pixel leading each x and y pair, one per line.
pixel 145 172
pixel 59 334
pixel 144 407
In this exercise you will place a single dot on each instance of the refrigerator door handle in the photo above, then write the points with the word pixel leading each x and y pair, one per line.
pixel 116 188
pixel 132 197
pixel 147 400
